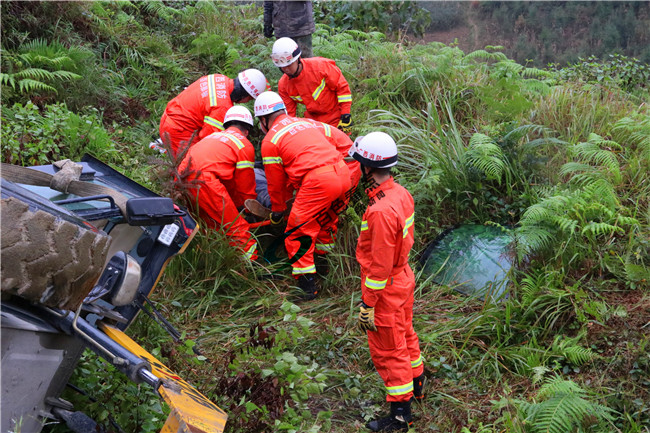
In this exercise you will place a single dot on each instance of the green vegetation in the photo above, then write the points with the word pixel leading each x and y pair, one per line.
pixel 562 154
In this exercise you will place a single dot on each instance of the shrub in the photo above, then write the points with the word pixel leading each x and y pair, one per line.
pixel 30 137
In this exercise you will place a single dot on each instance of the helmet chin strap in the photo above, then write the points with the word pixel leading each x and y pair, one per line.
pixel 298 69
pixel 263 127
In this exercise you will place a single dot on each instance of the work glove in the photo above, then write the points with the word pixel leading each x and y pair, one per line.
pixel 268 31
pixel 276 217
pixel 367 318
pixel 345 124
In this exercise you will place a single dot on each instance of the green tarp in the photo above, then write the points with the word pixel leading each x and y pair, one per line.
pixel 473 259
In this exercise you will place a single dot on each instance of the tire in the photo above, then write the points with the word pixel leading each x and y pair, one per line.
pixel 46 258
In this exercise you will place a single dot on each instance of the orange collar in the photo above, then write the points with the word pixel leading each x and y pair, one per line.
pixel 388 184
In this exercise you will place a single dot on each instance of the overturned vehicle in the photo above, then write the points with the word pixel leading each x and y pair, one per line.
pixel 82 249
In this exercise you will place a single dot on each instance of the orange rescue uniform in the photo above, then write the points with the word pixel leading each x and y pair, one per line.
pixel 341 141
pixel 222 179
pixel 297 156
pixel 321 87
pixel 387 284
pixel 201 106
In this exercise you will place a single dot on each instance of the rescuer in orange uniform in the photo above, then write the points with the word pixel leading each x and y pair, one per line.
pixel 203 104
pixel 297 156
pixel 315 82
pixel 387 281
pixel 341 141
pixel 219 169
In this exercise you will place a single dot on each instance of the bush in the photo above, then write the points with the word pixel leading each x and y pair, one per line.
pixel 30 137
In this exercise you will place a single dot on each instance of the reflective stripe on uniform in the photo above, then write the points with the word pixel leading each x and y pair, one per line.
pixel 417 362
pixel 212 90
pixel 400 389
pixel 272 160
pixel 235 140
pixel 364 225
pixel 344 98
pixel 408 223
pixel 307 270
pixel 318 90
pixel 328 130
pixel 325 247
pixel 213 122
pixel 296 98
pixel 245 164
pixel 251 251
pixel 286 129
pixel 375 284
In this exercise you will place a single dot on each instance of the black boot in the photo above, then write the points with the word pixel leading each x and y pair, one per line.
pixel 322 265
pixel 418 386
pixel 307 282
pixel 399 419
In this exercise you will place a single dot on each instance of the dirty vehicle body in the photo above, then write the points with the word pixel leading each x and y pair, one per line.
pixel 76 270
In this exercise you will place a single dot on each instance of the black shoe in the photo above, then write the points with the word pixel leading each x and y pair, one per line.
pixel 322 265
pixel 418 386
pixel 307 282
pixel 399 419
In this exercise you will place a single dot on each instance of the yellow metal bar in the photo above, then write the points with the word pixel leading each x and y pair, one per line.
pixel 191 411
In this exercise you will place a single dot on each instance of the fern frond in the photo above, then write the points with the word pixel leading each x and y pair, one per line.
pixel 601 191
pixel 567 225
pixel 485 155
pixel 564 407
pixel 544 210
pixel 591 152
pixel 484 55
pixel 510 66
pixel 571 350
pixel 532 285
pixel 34 74
pixel 28 85
pixel 536 73
pixel 65 75
pixel 598 229
pixel 8 80
pixel 626 221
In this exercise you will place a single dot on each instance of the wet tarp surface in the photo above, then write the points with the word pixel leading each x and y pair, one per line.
pixel 473 259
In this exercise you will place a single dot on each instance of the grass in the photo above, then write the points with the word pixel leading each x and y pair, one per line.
pixel 577 309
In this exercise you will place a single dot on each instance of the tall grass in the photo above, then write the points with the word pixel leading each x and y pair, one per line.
pixel 481 139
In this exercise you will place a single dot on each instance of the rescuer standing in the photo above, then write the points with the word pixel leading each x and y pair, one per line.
pixel 316 82
pixel 297 156
pixel 218 174
pixel 201 107
pixel 387 281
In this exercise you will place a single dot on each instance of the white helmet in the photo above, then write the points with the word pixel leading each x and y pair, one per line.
pixel 285 52
pixel 376 149
pixel 238 113
pixel 267 103
pixel 253 81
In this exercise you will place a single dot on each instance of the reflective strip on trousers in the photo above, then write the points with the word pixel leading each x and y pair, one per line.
pixel 401 389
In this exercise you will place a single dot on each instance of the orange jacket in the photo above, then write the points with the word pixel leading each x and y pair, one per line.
pixel 202 105
pixel 385 240
pixel 337 138
pixel 321 87
pixel 291 149
pixel 227 156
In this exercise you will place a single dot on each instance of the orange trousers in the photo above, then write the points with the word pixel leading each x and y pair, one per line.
pixel 217 210
pixel 176 136
pixel 395 347
pixel 311 226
